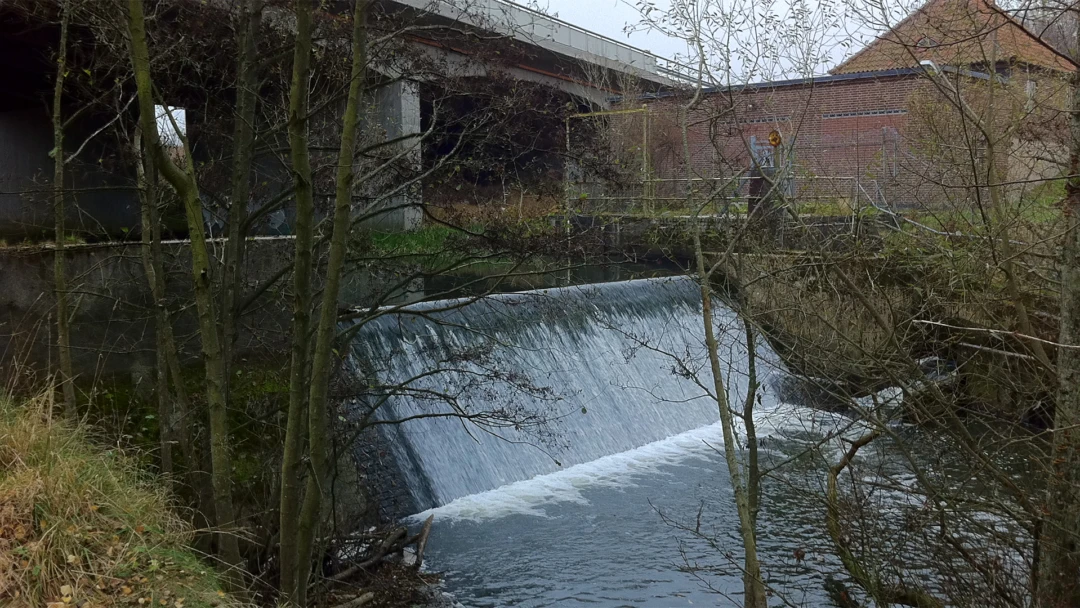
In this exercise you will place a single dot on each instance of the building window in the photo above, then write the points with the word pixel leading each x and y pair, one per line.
pixel 926 43
pixel 888 112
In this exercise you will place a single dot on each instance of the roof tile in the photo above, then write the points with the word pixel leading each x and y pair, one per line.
pixel 956 33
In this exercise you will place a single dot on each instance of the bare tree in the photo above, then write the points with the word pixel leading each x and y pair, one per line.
pixel 63 314
pixel 183 181
pixel 1059 568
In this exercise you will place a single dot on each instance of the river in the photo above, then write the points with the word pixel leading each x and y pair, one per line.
pixel 599 481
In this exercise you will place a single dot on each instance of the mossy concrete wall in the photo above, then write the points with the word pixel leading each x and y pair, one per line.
pixel 112 320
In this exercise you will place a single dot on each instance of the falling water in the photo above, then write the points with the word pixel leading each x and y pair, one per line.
pixel 542 380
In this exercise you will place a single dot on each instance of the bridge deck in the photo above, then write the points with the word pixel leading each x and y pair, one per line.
pixel 556 35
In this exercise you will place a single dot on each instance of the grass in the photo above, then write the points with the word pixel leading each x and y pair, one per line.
pixel 82 525
pixel 436 247
pixel 430 239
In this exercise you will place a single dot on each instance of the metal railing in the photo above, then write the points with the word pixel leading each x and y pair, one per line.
pixel 662 66
pixel 672 195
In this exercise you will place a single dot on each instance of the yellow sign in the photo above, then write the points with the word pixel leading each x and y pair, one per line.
pixel 775 139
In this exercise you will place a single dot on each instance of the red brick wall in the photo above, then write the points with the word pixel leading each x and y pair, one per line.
pixel 842 134
pixel 896 140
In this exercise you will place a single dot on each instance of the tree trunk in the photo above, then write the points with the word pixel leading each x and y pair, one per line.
pixel 1058 577
pixel 151 259
pixel 247 83
pixel 63 319
pixel 183 181
pixel 173 406
pixel 753 470
pixel 753 584
pixel 323 357
pixel 291 459
pixel 1007 256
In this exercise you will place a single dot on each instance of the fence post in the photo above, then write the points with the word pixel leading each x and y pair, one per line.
pixel 645 190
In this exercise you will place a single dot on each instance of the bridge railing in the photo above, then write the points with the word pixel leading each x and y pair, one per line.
pixel 660 65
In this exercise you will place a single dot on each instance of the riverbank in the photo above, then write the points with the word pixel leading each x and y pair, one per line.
pixel 84 524
pixel 868 319
pixel 81 525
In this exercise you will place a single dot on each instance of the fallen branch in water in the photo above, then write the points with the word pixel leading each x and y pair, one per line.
pixel 388 546
pixel 393 543
pixel 421 542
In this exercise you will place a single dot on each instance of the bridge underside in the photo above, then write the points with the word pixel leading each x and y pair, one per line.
pixel 522 77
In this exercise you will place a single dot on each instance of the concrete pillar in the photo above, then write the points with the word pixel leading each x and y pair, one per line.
pixel 398 109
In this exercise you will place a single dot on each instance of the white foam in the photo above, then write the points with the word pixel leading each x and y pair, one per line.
pixel 529 497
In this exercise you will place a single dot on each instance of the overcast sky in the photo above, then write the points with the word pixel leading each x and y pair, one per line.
pixel 611 18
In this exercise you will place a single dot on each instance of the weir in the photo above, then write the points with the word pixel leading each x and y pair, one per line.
pixel 508 387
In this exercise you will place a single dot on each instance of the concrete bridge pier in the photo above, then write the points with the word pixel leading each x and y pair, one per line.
pixel 398 114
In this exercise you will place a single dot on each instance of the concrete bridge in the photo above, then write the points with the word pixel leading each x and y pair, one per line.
pixel 531 46
pixel 565 56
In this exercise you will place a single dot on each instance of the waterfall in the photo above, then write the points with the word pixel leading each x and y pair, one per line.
pixel 549 378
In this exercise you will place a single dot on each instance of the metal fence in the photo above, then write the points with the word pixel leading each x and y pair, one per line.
pixel 618 163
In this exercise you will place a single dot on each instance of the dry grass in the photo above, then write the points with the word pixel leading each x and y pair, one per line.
pixel 82 526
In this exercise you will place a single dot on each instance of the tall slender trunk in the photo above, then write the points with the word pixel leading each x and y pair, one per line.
pixel 753 470
pixel 292 454
pixel 1058 577
pixel 323 354
pixel 63 320
pixel 753 584
pixel 247 83
pixel 183 182
pixel 151 259
pixel 1005 246
pixel 173 406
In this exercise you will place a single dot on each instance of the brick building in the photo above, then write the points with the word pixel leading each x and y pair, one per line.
pixel 887 125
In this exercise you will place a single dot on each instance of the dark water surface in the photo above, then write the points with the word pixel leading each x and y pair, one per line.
pixel 607 533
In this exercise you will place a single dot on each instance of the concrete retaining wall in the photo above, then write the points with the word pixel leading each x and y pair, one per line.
pixel 112 320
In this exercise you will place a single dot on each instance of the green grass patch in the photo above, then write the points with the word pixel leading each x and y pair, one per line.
pixel 430 239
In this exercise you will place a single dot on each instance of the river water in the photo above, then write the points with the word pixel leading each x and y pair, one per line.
pixel 612 533
pixel 591 471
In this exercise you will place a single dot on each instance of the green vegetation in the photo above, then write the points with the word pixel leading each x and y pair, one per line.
pixel 431 239
pixel 438 248
pixel 84 525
